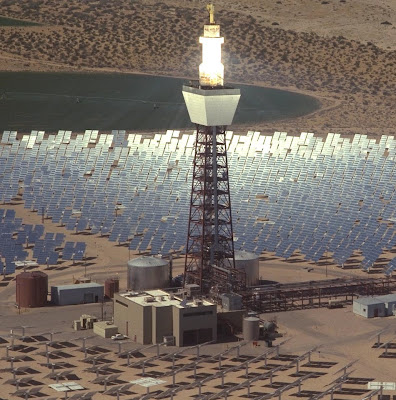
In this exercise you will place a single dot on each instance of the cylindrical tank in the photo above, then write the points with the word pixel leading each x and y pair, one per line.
pixel 249 263
pixel 112 285
pixel 31 289
pixel 269 326
pixel 251 328
pixel 148 272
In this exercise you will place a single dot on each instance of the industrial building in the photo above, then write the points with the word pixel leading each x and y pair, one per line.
pixel 77 294
pixel 390 303
pixel 369 307
pixel 156 316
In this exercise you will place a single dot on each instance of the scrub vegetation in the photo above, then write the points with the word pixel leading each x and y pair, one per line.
pixel 355 80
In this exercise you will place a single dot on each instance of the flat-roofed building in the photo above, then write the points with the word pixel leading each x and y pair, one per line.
pixel 369 307
pixel 149 317
pixel 81 293
pixel 390 303
pixel 106 329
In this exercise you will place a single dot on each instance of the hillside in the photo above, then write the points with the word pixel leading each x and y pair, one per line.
pixel 285 44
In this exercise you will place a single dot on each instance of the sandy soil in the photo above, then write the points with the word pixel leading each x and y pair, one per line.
pixel 354 75
pixel 341 51
pixel 341 336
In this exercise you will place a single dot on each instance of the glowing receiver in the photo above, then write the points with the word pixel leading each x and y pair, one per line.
pixel 211 104
pixel 211 71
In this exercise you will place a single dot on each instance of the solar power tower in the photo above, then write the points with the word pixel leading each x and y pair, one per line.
pixel 211 106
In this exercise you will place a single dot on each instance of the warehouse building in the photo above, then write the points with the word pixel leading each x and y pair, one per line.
pixel 156 316
pixel 77 294
pixel 369 307
pixel 390 303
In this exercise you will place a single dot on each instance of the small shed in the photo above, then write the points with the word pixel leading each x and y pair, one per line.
pixel 369 307
pixel 105 329
pixel 77 294
pixel 390 303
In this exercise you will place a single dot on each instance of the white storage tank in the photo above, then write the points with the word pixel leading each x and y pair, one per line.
pixel 148 272
pixel 251 328
pixel 249 263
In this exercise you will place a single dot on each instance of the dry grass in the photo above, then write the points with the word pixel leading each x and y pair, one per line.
pixel 305 51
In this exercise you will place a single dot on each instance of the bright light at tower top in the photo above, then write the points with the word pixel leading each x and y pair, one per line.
pixel 211 70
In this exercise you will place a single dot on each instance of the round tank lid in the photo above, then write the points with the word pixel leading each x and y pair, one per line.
pixel 147 261
pixel 32 274
pixel 245 255
pixel 252 319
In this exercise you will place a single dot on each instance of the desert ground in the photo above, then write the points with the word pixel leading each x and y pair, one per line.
pixel 336 336
pixel 343 52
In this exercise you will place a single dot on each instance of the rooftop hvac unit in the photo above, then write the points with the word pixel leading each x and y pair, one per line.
pixel 149 299
pixel 132 294
pixel 198 302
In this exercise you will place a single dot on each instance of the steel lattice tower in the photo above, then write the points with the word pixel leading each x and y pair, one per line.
pixel 210 257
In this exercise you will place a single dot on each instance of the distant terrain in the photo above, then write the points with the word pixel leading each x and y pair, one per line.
pixel 343 52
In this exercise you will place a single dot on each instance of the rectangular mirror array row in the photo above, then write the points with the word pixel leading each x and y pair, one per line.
pixel 316 195
pixel 16 238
